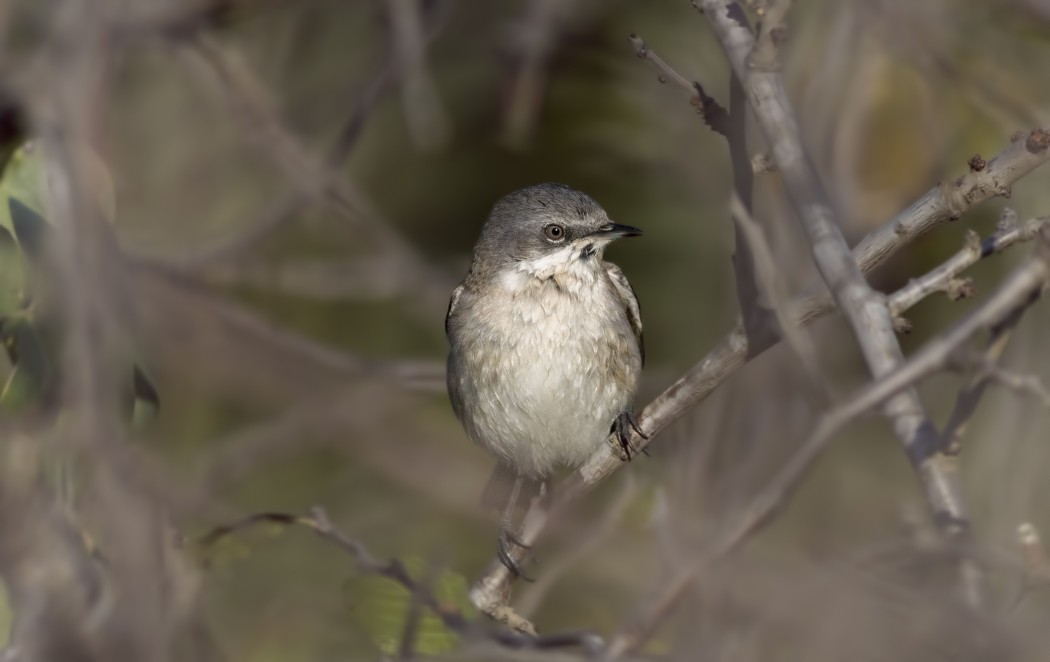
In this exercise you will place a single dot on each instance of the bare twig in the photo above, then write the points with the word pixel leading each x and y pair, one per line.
pixel 417 375
pixel 393 569
pixel 247 96
pixel 714 114
pixel 950 200
pixel 970 396
pixel 424 113
pixel 945 277
pixel 534 39
pixel 286 208
pixel 585 543
pixel 757 319
pixel 772 285
pixel 1030 385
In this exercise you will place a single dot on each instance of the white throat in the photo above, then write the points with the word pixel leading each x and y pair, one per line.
pixel 578 262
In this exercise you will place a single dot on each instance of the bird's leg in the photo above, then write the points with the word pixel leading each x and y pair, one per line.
pixel 621 429
pixel 507 535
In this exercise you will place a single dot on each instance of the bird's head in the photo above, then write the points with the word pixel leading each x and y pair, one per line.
pixel 547 226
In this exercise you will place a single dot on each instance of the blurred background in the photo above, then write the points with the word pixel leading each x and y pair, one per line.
pixel 296 190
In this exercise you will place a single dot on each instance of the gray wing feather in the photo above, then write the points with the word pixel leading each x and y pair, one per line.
pixel 630 303
pixel 456 293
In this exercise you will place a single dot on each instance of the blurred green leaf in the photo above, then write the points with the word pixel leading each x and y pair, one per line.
pixel 23 231
pixel 33 371
pixel 30 228
pixel 25 178
pixel 22 179
pixel 146 403
pixel 381 607
pixel 11 275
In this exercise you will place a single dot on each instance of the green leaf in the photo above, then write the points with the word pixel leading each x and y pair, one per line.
pixel 30 228
pixel 25 178
pixel 381 606
pixel 33 373
pixel 146 402
pixel 12 277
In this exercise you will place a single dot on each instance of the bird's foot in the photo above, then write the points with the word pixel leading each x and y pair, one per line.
pixel 621 430
pixel 507 539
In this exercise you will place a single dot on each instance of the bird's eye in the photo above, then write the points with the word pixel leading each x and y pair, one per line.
pixel 554 232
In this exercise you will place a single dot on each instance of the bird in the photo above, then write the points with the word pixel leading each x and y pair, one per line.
pixel 546 346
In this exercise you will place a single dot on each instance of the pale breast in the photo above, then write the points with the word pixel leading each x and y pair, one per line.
pixel 542 367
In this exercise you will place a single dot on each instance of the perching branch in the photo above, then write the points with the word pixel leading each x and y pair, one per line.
pixel 941 204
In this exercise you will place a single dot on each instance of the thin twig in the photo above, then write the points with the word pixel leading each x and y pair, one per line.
pixel 970 396
pixel 772 285
pixel 286 208
pixel 426 118
pixel 312 178
pixel 715 115
pixel 393 569
pixel 584 544
pixel 1030 385
pixel 945 277
pixel 757 319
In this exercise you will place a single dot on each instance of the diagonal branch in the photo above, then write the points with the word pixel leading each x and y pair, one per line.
pixel 862 306
pixel 945 277
pixel 766 272
pixel 714 114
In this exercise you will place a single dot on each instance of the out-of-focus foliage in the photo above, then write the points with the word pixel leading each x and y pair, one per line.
pixel 29 329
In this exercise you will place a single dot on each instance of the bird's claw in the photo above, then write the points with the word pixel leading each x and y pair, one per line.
pixel 506 539
pixel 621 429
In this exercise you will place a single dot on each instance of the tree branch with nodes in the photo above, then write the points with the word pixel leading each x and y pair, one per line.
pixel 1019 291
pixel 943 203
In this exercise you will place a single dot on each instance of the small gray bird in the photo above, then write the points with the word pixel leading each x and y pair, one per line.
pixel 546 343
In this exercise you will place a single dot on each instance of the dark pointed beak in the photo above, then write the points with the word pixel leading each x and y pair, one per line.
pixel 616 230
